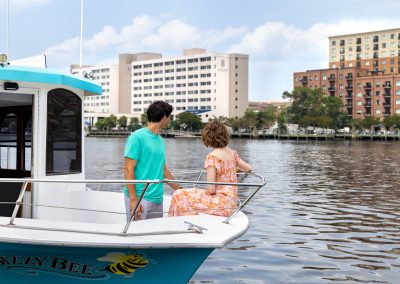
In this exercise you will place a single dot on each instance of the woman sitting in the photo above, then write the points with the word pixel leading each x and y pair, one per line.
pixel 221 165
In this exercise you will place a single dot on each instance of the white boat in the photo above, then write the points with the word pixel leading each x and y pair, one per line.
pixel 53 228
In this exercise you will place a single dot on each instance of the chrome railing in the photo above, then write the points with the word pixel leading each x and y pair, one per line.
pixel 192 228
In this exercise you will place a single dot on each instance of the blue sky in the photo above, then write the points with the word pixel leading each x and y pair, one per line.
pixel 281 37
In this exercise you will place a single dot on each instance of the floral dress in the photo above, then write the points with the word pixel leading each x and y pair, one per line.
pixel 191 201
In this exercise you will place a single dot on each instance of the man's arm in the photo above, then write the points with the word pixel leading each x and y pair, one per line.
pixel 130 175
pixel 168 175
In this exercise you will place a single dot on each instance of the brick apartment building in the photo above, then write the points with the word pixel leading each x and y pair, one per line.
pixel 364 71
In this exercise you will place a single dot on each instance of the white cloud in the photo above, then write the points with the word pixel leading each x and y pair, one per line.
pixel 276 49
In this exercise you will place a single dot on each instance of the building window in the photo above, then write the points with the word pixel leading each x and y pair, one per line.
pixel 64 133
pixel 378 111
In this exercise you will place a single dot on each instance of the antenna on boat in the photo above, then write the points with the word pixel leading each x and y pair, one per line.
pixel 8 30
pixel 81 41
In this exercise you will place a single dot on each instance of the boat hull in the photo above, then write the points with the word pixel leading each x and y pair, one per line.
pixel 34 264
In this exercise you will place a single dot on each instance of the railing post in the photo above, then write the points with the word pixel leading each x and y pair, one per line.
pixel 18 203
pixel 8 156
pixel 135 209
pixel 226 221
pixel 198 179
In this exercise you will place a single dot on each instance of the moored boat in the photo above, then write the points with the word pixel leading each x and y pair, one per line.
pixel 54 228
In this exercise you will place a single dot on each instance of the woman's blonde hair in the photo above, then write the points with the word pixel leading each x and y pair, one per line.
pixel 215 134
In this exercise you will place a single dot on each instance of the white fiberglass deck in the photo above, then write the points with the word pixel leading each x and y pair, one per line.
pixel 140 234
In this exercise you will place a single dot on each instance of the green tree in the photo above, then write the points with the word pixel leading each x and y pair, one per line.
pixel 266 118
pixel 110 122
pixel 355 124
pixel 311 107
pixel 189 121
pixel 282 121
pixel 143 119
pixel 133 124
pixel 392 122
pixel 234 123
pixel 100 124
pixel 122 121
pixel 369 121
pixel 249 119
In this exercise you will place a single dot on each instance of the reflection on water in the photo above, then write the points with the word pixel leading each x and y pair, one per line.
pixel 329 213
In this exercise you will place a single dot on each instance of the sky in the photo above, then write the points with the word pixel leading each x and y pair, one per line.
pixel 280 36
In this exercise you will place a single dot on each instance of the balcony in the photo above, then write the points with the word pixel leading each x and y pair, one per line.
pixel 358 41
pixel 387 95
pixel 358 49
pixel 349 97
pixel 349 87
pixel 349 77
pixel 368 87
pixel 387 104
pixel 332 79
pixel 349 106
pixel 367 94
pixel 387 86
pixel 367 105
pixel 304 81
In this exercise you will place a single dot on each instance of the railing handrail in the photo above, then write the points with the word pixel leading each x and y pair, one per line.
pixel 25 182
pixel 155 181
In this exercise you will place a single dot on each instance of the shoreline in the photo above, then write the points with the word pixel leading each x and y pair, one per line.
pixel 195 135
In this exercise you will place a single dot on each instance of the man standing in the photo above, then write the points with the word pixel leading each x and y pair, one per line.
pixel 145 160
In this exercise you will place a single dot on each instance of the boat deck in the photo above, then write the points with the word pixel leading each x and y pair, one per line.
pixel 170 232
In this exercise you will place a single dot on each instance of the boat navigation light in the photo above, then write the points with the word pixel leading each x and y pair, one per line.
pixel 3 58
pixel 11 86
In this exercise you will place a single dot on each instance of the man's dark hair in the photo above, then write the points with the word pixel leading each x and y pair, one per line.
pixel 158 110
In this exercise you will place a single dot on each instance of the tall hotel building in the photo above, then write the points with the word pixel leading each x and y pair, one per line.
pixel 364 71
pixel 205 83
pixel 108 103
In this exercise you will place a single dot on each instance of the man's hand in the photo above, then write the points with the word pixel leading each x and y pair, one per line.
pixel 139 211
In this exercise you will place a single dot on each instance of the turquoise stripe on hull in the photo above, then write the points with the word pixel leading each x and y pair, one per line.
pixel 36 264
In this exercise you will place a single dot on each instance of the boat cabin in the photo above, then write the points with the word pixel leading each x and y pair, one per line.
pixel 41 133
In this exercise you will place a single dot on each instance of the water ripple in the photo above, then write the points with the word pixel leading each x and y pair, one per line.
pixel 329 213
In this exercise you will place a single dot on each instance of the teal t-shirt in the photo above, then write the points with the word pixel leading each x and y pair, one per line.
pixel 148 149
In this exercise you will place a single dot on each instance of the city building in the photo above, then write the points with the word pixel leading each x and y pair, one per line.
pixel 208 84
pixel 96 107
pixel 364 71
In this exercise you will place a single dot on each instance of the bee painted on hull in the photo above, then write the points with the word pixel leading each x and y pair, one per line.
pixel 123 264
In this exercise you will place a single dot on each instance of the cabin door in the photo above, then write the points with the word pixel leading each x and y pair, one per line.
pixel 15 152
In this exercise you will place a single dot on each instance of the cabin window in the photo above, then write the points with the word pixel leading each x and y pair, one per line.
pixel 64 133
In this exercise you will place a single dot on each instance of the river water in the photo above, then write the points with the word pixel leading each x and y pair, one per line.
pixel 330 212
